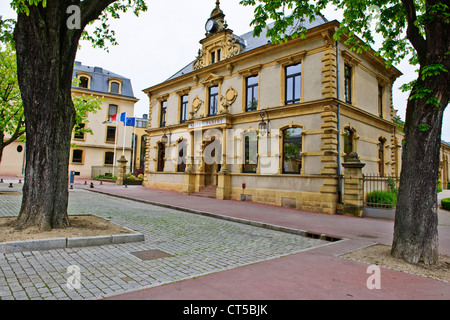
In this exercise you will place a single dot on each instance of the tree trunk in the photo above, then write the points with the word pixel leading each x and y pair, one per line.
pixel 45 57
pixel 416 218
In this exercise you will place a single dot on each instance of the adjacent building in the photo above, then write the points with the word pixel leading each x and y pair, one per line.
pixel 96 153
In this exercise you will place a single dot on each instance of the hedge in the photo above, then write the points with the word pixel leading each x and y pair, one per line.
pixel 446 203
pixel 382 199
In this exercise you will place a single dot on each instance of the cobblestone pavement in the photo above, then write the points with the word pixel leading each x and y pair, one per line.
pixel 198 245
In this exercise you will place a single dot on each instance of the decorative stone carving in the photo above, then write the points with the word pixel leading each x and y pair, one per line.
pixel 229 45
pixel 196 104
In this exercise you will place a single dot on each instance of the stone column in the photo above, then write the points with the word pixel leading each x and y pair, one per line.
pixel 189 175
pixel 122 170
pixel 353 196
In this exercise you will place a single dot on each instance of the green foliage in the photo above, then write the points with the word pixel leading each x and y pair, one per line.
pixel 382 199
pixel 439 186
pixel 424 127
pixel 12 122
pixel 132 177
pixel 104 177
pixel 102 33
pixel 445 203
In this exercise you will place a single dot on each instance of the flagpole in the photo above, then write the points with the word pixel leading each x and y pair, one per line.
pixel 124 134
pixel 134 144
pixel 115 148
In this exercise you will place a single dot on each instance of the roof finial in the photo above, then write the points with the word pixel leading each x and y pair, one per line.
pixel 218 4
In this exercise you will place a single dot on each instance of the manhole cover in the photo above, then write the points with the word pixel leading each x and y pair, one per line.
pixel 151 254
pixel 10 193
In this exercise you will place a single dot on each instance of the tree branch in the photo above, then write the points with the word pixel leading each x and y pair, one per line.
pixel 413 33
pixel 91 10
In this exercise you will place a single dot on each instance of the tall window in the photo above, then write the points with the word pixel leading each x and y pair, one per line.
pixel 348 83
pixel 109 158
pixel 111 134
pixel 162 122
pixel 77 156
pixel 182 156
pixel 293 83
pixel 348 141
pixel 250 152
pixel 112 110
pixel 184 108
pixel 380 101
pixel 213 100
pixel 292 148
pixel 143 151
pixel 79 135
pixel 381 145
pixel 251 103
pixel 161 156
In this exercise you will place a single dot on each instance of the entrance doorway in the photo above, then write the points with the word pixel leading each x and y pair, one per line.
pixel 212 155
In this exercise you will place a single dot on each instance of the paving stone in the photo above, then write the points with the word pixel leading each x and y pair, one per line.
pixel 196 244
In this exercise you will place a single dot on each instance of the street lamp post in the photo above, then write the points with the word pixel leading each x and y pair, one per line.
pixel 263 126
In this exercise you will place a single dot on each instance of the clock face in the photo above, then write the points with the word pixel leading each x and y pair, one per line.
pixel 210 25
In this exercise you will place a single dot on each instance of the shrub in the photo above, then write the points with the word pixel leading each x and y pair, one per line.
pixel 382 199
pixel 101 177
pixel 446 203
pixel 439 186
pixel 131 177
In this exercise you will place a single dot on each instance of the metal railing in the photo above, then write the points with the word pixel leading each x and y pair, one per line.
pixel 380 192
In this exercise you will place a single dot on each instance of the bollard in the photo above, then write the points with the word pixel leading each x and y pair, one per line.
pixel 85 183
pixel 71 187
pixel 11 185
pixel 20 181
pixel 92 185
pixel 1 180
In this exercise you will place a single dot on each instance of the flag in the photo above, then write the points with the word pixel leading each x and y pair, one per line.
pixel 111 119
pixel 131 122
pixel 123 118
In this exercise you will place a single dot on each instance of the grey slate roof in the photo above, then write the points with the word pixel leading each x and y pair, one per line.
pixel 100 80
pixel 249 42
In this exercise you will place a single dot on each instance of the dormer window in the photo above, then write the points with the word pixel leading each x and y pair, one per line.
pixel 115 86
pixel 84 81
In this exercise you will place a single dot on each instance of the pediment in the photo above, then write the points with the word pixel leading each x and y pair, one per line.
pixel 211 79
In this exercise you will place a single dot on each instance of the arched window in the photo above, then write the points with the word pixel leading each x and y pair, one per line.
pixel 182 151
pixel 161 156
pixel 349 138
pixel 84 82
pixel 292 149
pixel 381 161
pixel 250 152
pixel 114 87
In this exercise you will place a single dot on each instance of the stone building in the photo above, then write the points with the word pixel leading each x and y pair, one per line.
pixel 271 123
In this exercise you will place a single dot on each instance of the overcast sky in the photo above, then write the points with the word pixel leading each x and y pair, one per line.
pixel 166 38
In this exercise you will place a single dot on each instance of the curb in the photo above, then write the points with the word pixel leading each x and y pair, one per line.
pixel 65 243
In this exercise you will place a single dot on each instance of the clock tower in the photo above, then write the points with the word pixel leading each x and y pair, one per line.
pixel 216 23
pixel 220 42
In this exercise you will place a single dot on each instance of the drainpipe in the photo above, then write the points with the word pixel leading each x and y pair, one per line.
pixel 338 125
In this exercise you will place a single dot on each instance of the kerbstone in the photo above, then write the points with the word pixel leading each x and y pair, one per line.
pixel 33 245
pixel 88 241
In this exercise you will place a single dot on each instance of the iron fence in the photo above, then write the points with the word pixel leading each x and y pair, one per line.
pixel 380 192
